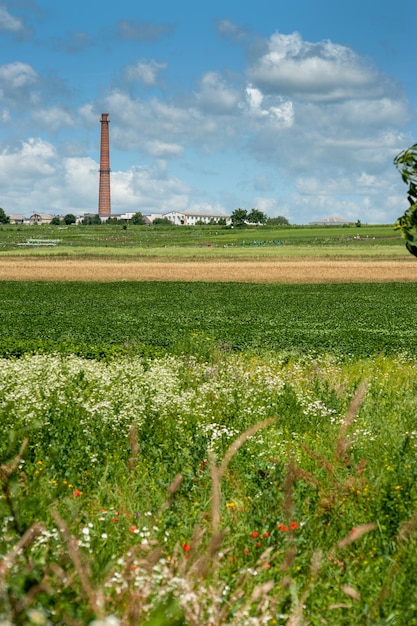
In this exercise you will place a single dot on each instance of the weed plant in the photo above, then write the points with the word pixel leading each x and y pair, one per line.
pixel 238 490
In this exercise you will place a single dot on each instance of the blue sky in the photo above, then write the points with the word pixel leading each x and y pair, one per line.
pixel 294 108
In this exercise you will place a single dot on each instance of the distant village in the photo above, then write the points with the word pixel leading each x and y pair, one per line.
pixel 177 218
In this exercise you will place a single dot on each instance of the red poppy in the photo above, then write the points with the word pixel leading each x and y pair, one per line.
pixel 77 493
pixel 282 528
pixel 246 551
pixel 133 528
pixel 254 534
pixel 186 547
pixel 266 534
pixel 293 525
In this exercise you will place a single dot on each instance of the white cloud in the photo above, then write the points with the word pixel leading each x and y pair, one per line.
pixel 148 189
pixel 19 167
pixel 8 22
pixel 147 72
pixel 54 117
pixel 255 99
pixel 215 95
pixel 82 172
pixel 151 116
pixel 371 183
pixel 315 71
pixel 34 177
pixel 161 149
pixel 384 111
pixel 276 109
pixel 206 206
pixel 88 113
pixel 146 124
pixel 269 206
pixel 17 74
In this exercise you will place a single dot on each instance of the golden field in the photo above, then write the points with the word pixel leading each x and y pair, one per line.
pixel 277 271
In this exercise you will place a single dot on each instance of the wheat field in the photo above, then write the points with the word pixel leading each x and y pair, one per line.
pixel 282 271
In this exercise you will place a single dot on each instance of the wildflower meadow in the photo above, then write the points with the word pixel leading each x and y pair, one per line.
pixel 242 489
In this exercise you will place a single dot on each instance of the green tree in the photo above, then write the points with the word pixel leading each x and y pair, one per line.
pixel 55 221
pixel 257 217
pixel 162 221
pixel 406 163
pixel 69 219
pixel 4 219
pixel 138 219
pixel 90 220
pixel 239 217
pixel 280 220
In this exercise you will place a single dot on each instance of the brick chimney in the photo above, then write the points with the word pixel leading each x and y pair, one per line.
pixel 104 204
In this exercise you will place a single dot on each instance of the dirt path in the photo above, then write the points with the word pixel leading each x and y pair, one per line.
pixel 282 271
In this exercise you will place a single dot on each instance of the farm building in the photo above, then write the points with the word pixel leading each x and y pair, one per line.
pixel 16 218
pixel 40 218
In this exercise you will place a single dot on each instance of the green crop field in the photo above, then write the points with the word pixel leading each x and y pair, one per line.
pixel 151 318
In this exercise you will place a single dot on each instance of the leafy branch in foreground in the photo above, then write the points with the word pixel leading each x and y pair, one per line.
pixel 406 163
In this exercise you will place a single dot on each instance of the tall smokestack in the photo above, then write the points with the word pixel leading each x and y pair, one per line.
pixel 104 205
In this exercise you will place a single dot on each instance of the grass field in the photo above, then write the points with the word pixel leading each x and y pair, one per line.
pixel 202 242
pixel 178 453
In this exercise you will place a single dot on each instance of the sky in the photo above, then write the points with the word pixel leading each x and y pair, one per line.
pixel 294 108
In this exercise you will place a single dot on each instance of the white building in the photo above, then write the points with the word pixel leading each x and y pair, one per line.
pixel 124 216
pixel 190 218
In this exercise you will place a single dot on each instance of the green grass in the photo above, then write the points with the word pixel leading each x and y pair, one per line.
pixel 207 253
pixel 204 242
pixel 149 318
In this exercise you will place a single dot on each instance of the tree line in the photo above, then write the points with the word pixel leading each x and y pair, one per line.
pixel 239 218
